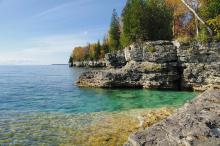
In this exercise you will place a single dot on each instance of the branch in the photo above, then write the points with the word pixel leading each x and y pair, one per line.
pixel 198 17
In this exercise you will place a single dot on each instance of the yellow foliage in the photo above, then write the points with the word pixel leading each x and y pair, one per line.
pixel 79 53
pixel 215 24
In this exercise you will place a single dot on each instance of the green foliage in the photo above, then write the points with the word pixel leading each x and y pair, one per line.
pixel 146 20
pixel 184 39
pixel 160 20
pixel 215 25
pixel 190 50
pixel 203 35
pixel 70 59
pixel 105 46
pixel 209 9
pixel 217 37
pixel 150 49
pixel 114 32
pixel 134 18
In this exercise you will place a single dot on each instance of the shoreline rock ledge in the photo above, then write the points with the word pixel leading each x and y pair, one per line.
pixel 159 65
pixel 197 123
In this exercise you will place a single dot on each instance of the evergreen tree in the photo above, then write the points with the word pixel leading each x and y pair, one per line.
pixel 160 20
pixel 134 18
pixel 98 50
pixel 105 45
pixel 114 32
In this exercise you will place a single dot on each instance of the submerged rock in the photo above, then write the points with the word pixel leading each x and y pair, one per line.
pixel 197 123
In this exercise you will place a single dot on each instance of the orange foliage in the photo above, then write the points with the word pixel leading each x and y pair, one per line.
pixel 179 29
pixel 79 53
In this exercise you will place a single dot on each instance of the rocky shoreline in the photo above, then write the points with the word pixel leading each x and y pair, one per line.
pixel 91 64
pixel 159 65
pixel 197 123
pixel 169 65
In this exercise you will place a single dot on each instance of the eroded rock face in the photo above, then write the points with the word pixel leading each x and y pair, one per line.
pixel 160 64
pixel 134 74
pixel 115 60
pixel 200 64
pixel 157 51
pixel 197 123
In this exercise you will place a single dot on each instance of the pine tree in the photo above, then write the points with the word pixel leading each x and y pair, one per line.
pixel 114 32
pixel 160 20
pixel 134 18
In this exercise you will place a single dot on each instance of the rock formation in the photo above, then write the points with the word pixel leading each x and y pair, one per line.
pixel 160 65
pixel 197 123
pixel 92 64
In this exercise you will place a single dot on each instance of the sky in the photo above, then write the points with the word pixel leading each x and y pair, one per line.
pixel 41 32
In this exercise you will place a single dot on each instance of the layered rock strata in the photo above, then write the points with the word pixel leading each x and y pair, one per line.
pixel 159 65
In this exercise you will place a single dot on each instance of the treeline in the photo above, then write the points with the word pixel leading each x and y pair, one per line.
pixel 95 51
pixel 143 20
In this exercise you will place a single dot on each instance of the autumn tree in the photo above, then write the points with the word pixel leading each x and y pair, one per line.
pixel 179 14
pixel 79 54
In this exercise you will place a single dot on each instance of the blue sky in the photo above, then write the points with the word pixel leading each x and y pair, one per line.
pixel 45 31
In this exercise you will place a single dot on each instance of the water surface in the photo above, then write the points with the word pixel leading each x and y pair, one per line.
pixel 40 104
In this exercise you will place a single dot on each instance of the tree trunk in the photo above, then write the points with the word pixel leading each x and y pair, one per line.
pixel 174 27
pixel 197 16
pixel 197 27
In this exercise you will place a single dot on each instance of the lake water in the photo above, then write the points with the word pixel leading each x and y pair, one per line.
pixel 40 105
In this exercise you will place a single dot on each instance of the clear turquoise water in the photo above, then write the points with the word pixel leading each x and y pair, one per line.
pixel 36 102
pixel 52 89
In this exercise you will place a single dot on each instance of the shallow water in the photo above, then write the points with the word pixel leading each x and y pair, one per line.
pixel 41 105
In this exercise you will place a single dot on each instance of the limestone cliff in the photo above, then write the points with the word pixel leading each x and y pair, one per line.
pixel 160 65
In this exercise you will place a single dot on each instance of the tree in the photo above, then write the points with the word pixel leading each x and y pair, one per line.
pixel 160 20
pixel 209 9
pixel 198 17
pixel 105 45
pixel 114 32
pixel 79 54
pixel 97 50
pixel 179 11
pixel 134 18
